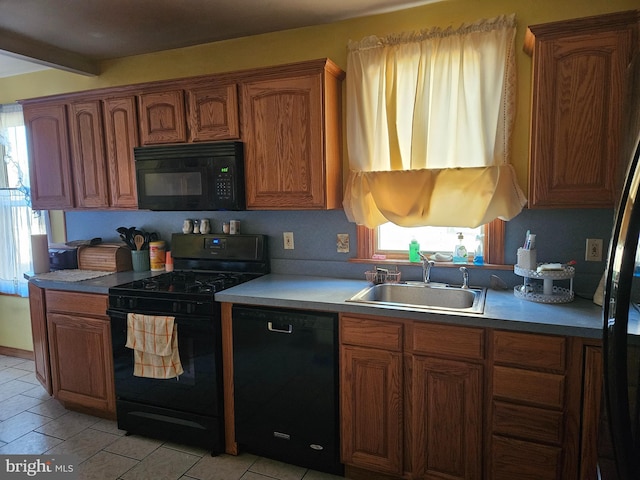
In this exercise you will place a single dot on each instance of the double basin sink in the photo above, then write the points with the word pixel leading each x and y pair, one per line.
pixel 423 297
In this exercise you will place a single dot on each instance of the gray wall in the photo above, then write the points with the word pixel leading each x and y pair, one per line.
pixel 561 236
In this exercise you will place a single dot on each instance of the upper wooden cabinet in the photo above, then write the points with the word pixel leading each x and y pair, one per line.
pixel 49 159
pixel 291 128
pixel 212 113
pixel 88 154
pixel 162 117
pixel 121 136
pixel 579 89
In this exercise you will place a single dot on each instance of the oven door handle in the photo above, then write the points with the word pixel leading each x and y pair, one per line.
pixel 271 328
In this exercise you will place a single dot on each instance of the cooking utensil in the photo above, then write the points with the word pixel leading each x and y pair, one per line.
pixel 139 242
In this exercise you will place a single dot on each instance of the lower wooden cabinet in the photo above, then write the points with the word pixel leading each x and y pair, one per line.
pixel 430 401
pixel 79 338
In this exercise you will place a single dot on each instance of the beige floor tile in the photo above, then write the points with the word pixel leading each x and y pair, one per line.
pixel 134 446
pixel 67 425
pixel 17 404
pixel 28 365
pixel 315 475
pixel 36 391
pixel 12 388
pixel 84 445
pixel 190 449
pixel 279 470
pixel 30 377
pixel 33 443
pixel 108 426
pixel 162 464
pixel 105 466
pixel 20 425
pixel 222 467
pixel 6 361
pixel 255 476
pixel 51 408
pixel 10 373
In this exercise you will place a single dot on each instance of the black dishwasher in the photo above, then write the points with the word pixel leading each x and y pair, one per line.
pixel 285 372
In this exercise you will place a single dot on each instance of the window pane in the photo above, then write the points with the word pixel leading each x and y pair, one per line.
pixel 392 238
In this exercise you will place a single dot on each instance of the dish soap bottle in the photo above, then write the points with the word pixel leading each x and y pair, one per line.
pixel 478 258
pixel 414 251
pixel 460 251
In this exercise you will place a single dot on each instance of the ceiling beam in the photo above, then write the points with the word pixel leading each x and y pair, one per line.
pixel 48 55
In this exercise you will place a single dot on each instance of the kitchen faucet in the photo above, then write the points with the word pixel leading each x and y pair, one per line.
pixel 427 265
pixel 465 277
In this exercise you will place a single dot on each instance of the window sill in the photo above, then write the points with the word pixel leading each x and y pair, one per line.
pixel 405 263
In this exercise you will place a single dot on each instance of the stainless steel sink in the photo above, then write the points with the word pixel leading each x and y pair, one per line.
pixel 421 296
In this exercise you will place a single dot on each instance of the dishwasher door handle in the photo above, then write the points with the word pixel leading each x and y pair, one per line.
pixel 271 328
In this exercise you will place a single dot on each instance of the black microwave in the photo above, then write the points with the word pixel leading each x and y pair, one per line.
pixel 194 176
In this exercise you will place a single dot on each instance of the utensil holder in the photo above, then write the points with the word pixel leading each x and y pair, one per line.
pixel 527 259
pixel 140 260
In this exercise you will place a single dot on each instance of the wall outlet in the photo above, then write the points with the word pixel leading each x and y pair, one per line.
pixel 593 251
pixel 342 243
pixel 288 240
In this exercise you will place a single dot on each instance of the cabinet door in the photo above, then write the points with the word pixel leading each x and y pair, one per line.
pixel 162 117
pixel 49 162
pixel 212 113
pixel 88 155
pixel 121 136
pixel 447 410
pixel 39 335
pixel 371 409
pixel 81 362
pixel 284 155
pixel 579 91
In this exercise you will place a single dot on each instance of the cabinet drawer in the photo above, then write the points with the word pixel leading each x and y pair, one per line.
pixel 513 459
pixel 448 340
pixel 371 333
pixel 530 350
pixel 528 422
pixel 538 388
pixel 74 302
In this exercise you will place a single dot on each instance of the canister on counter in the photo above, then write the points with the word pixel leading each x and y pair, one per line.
pixel 234 227
pixel 157 255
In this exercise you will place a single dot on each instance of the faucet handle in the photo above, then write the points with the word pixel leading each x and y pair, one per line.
pixel 423 257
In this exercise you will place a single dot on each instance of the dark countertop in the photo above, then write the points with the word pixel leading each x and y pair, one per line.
pixel 581 318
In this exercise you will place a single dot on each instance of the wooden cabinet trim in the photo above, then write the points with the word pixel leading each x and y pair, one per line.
pixel 529 387
pixel 92 304
pixel 530 350
pixel 366 332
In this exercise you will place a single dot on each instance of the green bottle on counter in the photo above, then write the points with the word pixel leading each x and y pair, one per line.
pixel 414 251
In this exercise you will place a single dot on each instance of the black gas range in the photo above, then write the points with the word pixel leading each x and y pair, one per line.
pixel 187 408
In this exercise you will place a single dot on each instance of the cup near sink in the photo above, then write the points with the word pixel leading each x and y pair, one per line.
pixel 422 296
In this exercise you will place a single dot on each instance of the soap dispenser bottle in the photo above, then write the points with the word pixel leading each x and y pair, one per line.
pixel 414 251
pixel 478 257
pixel 460 251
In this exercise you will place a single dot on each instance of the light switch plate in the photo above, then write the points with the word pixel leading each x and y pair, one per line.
pixel 288 240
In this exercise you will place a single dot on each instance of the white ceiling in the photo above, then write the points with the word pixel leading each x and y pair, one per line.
pixel 75 35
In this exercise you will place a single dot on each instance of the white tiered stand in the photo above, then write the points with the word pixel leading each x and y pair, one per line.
pixel 545 292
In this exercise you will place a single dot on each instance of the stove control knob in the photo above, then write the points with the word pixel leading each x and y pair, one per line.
pixel 191 307
pixel 175 306
pixel 132 303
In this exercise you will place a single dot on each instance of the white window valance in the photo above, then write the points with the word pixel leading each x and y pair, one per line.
pixel 429 122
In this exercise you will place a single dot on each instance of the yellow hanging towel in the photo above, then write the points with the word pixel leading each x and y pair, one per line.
pixel 154 340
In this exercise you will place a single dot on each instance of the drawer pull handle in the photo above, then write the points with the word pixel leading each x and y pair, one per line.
pixel 271 328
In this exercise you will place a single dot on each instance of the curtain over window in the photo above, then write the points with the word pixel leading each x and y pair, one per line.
pixel 17 220
pixel 429 122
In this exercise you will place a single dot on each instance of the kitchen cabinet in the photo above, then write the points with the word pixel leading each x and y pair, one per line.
pixel 37 308
pixel 291 129
pixel 49 158
pixel 534 406
pixel 81 152
pixel 162 117
pixel 212 112
pixel 80 351
pixel 87 154
pixel 371 394
pixel 121 136
pixel 447 392
pixel 387 364
pixel 579 90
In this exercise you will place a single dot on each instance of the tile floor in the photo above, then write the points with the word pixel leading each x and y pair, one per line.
pixel 33 423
